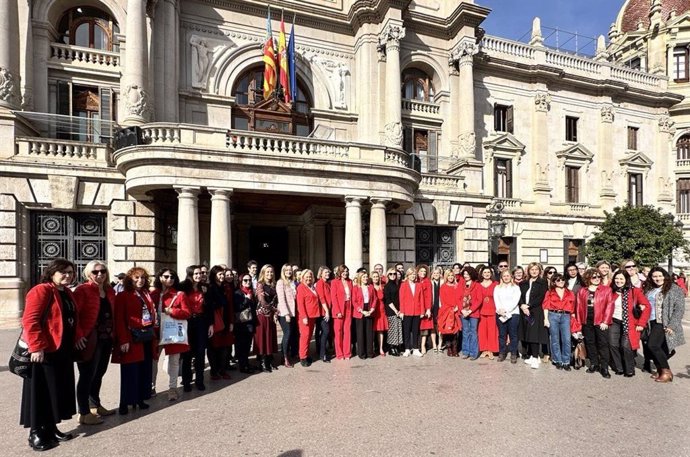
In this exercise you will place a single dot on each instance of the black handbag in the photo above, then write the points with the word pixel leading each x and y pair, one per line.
pixel 637 311
pixel 20 360
pixel 644 337
pixel 142 335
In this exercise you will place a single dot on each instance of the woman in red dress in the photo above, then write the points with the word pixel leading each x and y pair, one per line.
pixel 488 331
pixel 380 318
pixel 426 322
pixel 449 313
pixel 341 310
pixel 266 336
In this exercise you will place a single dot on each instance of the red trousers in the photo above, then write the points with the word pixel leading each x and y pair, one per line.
pixel 343 334
pixel 305 332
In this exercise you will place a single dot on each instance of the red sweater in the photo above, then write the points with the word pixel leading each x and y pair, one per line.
pixel 472 298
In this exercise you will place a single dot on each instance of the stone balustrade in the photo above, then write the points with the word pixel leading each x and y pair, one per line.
pixel 420 107
pixel 510 203
pixel 243 141
pixel 578 207
pixel 683 164
pixel 47 150
pixel 684 217
pixel 95 58
pixel 440 181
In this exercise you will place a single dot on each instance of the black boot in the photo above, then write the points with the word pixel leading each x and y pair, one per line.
pixel 266 364
pixel 605 373
pixel 41 440
pixel 592 369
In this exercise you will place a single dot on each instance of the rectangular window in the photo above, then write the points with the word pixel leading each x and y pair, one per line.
pixel 571 128
pixel 572 184
pixel 422 145
pixel 503 183
pixel 680 64
pixel 632 138
pixel 683 196
pixel 635 63
pixel 635 189
pixel 503 118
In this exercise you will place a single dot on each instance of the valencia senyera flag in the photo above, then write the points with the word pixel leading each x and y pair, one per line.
pixel 269 58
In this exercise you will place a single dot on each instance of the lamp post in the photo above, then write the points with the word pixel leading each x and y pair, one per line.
pixel 497 224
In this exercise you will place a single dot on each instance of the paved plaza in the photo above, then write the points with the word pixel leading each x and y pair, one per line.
pixel 386 407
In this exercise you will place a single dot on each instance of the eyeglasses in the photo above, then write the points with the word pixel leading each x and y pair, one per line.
pixel 559 280
pixel 98 272
pixel 166 276
pixel 628 267
pixel 503 266
pixel 246 280
pixel 550 272
pixel 596 277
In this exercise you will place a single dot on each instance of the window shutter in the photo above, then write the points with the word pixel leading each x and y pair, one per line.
pixel 63 98
pixel 103 128
pixel 509 178
pixel 433 154
pixel 509 119
pixel 407 140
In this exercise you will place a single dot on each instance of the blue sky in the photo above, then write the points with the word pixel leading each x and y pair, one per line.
pixel 589 18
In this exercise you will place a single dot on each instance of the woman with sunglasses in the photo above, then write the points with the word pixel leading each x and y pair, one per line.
pixel 594 314
pixel 169 300
pixel 244 305
pixel 559 305
pixel 392 307
pixel 532 330
pixel 630 315
pixel 95 300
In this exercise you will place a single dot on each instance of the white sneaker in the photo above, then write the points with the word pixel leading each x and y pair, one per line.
pixel 406 353
pixel 535 363
pixel 529 361
pixel 417 353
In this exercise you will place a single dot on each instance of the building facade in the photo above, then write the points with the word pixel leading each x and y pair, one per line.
pixel 410 132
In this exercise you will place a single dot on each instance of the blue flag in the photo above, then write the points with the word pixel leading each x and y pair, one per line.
pixel 291 62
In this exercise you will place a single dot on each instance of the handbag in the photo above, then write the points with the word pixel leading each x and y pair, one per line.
pixel 644 336
pixel 173 331
pixel 637 311
pixel 86 354
pixel 245 315
pixel 20 359
pixel 142 335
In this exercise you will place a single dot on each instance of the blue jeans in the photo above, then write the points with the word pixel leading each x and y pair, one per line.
pixel 470 342
pixel 559 333
pixel 505 329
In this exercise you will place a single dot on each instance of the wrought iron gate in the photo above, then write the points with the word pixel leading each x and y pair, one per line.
pixel 435 245
pixel 79 237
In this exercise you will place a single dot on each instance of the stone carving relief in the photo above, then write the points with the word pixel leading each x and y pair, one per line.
pixel 543 173
pixel 542 101
pixel 336 72
pixel 467 143
pixel 9 87
pixel 665 186
pixel 607 114
pixel 666 124
pixel 464 51
pixel 390 35
pixel 393 134
pixel 201 60
pixel 137 101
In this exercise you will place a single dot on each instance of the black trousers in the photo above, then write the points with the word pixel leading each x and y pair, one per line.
pixel 657 345
pixel 622 355
pixel 217 358
pixel 322 329
pixel 365 337
pixel 243 343
pixel 91 376
pixel 198 339
pixel 411 332
pixel 597 344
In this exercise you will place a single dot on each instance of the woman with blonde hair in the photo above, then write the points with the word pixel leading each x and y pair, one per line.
pixel 364 303
pixel 309 310
pixel 95 300
pixel 286 291
pixel 341 309
pixel 533 332
pixel 449 313
pixel 392 306
pixel 411 296
pixel 604 268
pixel 266 338
pixel 380 322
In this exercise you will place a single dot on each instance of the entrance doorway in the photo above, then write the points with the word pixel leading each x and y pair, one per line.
pixel 269 245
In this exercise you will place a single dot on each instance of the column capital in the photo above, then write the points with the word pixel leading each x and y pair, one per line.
pixel 463 53
pixel 379 202
pixel 666 125
pixel 220 193
pixel 391 33
pixel 351 200
pixel 187 191
pixel 607 114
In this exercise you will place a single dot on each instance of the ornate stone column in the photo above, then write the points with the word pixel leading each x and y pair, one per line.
pixel 607 194
pixel 27 63
pixel 10 96
pixel 41 48
pixel 187 228
pixel 462 56
pixel 353 232
pixel 663 172
pixel 221 228
pixel 378 240
pixel 389 39
pixel 338 240
pixel 172 28
pixel 134 80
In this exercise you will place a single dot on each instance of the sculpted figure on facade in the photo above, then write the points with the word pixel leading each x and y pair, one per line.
pixel 393 134
pixel 665 124
pixel 137 101
pixel 464 52
pixel 607 114
pixel 9 87
pixel 336 72
pixel 467 143
pixel 542 101
pixel 201 59
pixel 389 36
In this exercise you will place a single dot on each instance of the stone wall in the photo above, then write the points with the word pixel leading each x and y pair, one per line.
pixel 132 235
pixel 11 285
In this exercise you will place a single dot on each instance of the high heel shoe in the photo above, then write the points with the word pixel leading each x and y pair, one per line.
pixel 142 405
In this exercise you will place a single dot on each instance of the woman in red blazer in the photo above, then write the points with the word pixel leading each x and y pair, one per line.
pixel 364 304
pixel 95 301
pixel 449 313
pixel 426 323
pixel 170 301
pixel 308 311
pixel 134 309
pixel 380 319
pixel 324 323
pixel 487 330
pixel 593 317
pixel 559 308
pixel 50 330
pixel 412 303
pixel 341 310
pixel 471 303
pixel 626 328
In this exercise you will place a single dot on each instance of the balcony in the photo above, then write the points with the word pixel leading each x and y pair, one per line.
pixel 420 108
pixel 683 165
pixel 61 152
pixel 69 57
pixel 193 155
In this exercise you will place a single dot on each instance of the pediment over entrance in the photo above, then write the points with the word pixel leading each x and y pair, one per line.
pixel 504 146
pixel 274 105
pixel 637 159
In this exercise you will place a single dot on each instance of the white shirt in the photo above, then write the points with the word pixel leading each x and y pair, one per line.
pixel 618 308
pixel 412 286
pixel 507 297
pixel 365 293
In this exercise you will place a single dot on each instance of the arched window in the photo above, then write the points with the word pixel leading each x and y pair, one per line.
pixel 417 85
pixel 252 112
pixel 88 27
pixel 683 148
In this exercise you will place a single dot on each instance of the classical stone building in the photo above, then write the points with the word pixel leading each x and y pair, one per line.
pixel 409 127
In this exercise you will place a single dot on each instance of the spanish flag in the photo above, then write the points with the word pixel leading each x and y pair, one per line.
pixel 269 60
pixel 284 67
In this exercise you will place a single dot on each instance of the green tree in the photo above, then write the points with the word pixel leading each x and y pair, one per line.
pixel 642 233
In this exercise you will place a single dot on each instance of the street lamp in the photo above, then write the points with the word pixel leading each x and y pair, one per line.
pixel 497 225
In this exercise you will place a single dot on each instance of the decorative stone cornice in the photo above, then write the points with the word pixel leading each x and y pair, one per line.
pixel 542 101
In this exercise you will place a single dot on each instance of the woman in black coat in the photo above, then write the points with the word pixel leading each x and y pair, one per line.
pixel 244 305
pixel 533 333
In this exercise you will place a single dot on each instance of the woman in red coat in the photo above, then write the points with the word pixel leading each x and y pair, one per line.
pixel 594 315
pixel 134 310
pixel 341 310
pixel 95 301
pixel 412 302
pixel 471 303
pixel 380 323
pixel 426 323
pixel 308 311
pixel 223 319
pixel 50 332
pixel 364 304
pixel 171 302
pixel 626 328
pixel 487 330
pixel 449 313
pixel 559 308
pixel 324 323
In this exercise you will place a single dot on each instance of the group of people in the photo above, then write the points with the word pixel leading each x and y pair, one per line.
pixel 222 316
